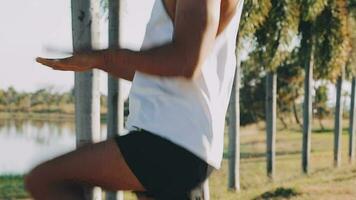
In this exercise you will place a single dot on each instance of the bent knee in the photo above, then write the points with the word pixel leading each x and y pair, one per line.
pixel 36 179
pixel 32 180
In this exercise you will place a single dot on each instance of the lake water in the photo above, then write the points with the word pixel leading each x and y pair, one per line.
pixel 26 143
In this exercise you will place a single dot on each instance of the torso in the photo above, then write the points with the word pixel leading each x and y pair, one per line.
pixel 227 10
pixel 199 105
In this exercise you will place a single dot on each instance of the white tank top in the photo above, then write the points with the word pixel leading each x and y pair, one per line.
pixel 189 113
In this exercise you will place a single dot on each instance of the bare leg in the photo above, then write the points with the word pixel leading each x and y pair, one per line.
pixel 100 164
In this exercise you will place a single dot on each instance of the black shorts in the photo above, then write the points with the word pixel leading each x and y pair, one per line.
pixel 166 170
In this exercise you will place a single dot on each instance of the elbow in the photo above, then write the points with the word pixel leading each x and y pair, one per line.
pixel 191 71
pixel 191 66
pixel 189 62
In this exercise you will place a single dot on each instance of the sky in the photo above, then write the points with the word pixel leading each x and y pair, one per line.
pixel 25 34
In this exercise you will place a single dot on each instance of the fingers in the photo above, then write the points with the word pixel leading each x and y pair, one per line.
pixel 60 64
pixel 42 61
pixel 53 63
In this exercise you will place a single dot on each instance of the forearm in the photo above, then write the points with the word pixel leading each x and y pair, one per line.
pixel 166 60
pixel 124 72
pixel 195 30
pixel 128 74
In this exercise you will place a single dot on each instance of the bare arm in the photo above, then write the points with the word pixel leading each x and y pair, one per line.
pixel 195 30
pixel 196 26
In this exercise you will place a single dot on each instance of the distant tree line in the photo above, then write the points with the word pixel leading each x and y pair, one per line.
pixel 44 100
pixel 47 100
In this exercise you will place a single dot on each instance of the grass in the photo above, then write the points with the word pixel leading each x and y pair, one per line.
pixel 324 181
pixel 11 187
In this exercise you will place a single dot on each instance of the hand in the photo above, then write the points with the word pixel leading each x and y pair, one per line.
pixel 79 62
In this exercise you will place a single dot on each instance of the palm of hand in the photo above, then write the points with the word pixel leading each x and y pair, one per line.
pixel 77 63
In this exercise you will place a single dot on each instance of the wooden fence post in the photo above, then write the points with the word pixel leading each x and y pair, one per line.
pixel 234 132
pixel 307 44
pixel 87 96
pixel 271 108
pixel 115 105
pixel 338 122
pixel 307 115
pixel 352 128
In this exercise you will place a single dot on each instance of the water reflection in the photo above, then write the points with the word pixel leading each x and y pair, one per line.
pixel 25 143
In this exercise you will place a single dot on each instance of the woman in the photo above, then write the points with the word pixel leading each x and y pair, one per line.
pixel 181 85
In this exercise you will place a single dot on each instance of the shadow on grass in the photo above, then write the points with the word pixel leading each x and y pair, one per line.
pixel 317 131
pixel 327 130
pixel 346 178
pixel 244 155
pixel 279 193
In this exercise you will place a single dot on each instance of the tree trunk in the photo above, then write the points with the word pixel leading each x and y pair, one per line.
pixel 87 95
pixel 321 124
pixel 352 129
pixel 115 105
pixel 271 108
pixel 234 131
pixel 338 122
pixel 308 63
pixel 295 113
pixel 284 123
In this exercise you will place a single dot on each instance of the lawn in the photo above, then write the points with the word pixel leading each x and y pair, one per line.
pixel 324 181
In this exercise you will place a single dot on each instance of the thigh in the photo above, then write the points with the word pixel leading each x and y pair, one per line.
pixel 100 164
pixel 164 168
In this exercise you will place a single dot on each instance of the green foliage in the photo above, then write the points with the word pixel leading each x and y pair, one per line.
pixel 2 97
pixel 253 16
pixel 311 9
pixel 275 37
pixel 351 65
pixel 289 82
pixel 332 40
pixel 42 100
pixel 320 102
pixel 252 93
pixel 325 37
pixel 323 24
pixel 352 4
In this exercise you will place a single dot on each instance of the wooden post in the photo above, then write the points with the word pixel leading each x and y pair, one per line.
pixel 271 108
pixel 308 63
pixel 307 118
pixel 352 128
pixel 338 122
pixel 115 105
pixel 234 132
pixel 87 96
